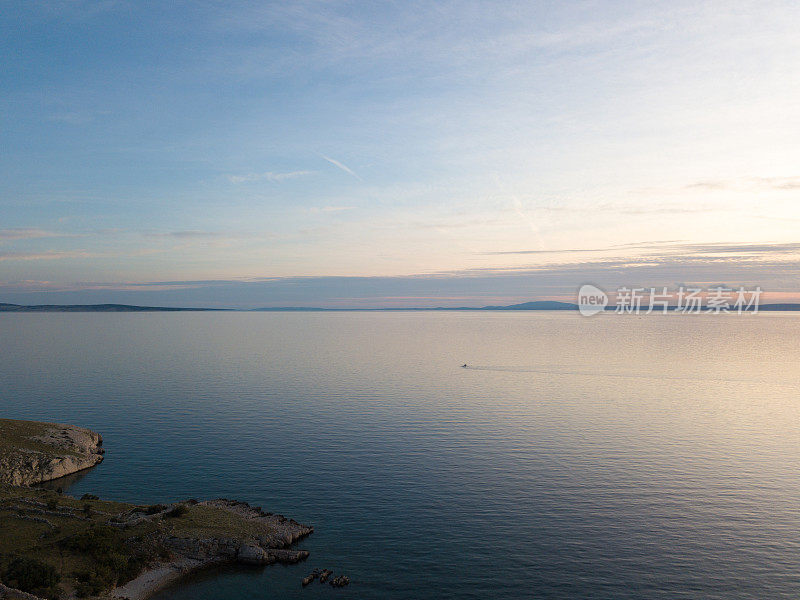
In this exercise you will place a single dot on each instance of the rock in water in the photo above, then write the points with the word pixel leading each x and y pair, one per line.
pixel 310 577
pixel 340 581
pixel 252 555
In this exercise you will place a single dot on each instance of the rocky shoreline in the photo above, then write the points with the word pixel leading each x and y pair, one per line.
pixel 145 547
pixel 35 452
pixel 192 553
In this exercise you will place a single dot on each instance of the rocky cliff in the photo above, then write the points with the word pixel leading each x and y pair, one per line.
pixel 32 452
pixel 56 546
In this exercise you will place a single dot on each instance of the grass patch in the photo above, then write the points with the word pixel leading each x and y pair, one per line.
pixel 208 521
pixel 90 555
pixel 32 575
pixel 16 436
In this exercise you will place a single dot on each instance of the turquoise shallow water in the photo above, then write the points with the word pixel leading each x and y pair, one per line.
pixel 609 457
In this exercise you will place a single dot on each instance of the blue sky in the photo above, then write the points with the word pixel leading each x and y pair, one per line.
pixel 395 153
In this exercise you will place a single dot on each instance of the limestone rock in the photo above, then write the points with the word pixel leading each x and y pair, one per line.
pixel 253 555
pixel 32 452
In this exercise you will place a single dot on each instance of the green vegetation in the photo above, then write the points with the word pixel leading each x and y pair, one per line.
pixel 113 560
pixel 57 545
pixel 23 434
pixel 32 575
pixel 176 512
pixel 201 521
pixel 50 543
pixel 54 545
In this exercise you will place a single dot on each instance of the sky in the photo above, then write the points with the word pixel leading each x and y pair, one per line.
pixel 389 154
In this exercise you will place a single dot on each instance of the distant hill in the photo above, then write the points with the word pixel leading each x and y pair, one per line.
pixel 779 307
pixel 301 309
pixel 536 305
pixel 94 308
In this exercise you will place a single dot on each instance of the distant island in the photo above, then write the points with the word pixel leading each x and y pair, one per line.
pixel 55 546
pixel 96 308
pixel 537 305
pixel 544 305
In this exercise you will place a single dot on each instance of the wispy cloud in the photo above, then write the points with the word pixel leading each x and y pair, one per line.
pixel 26 234
pixel 341 166
pixel 761 183
pixel 706 185
pixel 49 255
pixel 560 251
pixel 197 237
pixel 271 176
pixel 70 118
pixel 775 273
pixel 780 183
pixel 630 209
pixel 670 248
pixel 186 235
pixel 329 209
pixel 741 249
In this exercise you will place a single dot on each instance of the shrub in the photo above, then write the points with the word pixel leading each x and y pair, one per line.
pixel 91 583
pixel 95 540
pixel 87 510
pixel 52 504
pixel 32 575
pixel 89 497
pixel 177 511
pixel 112 561
pixel 154 508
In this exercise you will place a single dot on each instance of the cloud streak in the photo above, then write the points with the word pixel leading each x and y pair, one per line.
pixel 342 166
pixel 272 176
pixel 670 248
pixel 786 183
pixel 775 267
pixel 329 209
pixel 49 255
pixel 25 234
pixel 186 235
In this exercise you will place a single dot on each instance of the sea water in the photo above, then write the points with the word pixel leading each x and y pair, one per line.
pixel 610 457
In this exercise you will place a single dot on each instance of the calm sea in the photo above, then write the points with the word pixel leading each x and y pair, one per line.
pixel 606 457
